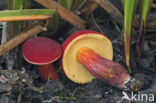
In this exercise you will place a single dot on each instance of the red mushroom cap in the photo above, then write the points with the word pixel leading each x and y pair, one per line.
pixel 76 34
pixel 41 50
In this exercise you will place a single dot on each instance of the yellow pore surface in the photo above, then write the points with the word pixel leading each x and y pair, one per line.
pixel 72 68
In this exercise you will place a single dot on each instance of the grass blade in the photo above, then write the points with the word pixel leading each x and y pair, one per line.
pixel 17 4
pixel 77 4
pixel 144 10
pixel 66 3
pixel 25 14
pixel 129 11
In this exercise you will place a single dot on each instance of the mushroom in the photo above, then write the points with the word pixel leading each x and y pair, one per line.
pixel 88 55
pixel 43 51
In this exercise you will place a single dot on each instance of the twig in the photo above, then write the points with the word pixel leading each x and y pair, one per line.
pixel 4 33
pixel 76 91
pixel 112 10
pixel 116 26
pixel 50 101
pixel 34 89
pixel 58 97
pixel 20 38
pixel 64 13
pixel 19 97
pixel 97 26
pixel 88 8
pixel 64 98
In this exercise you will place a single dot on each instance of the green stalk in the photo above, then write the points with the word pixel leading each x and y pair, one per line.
pixel 77 4
pixel 17 4
pixel 66 3
pixel 144 11
pixel 27 12
pixel 129 11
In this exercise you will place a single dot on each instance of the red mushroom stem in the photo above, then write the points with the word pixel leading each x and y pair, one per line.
pixel 47 72
pixel 103 69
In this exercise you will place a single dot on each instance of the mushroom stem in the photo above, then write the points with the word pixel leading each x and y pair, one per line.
pixel 47 72
pixel 104 69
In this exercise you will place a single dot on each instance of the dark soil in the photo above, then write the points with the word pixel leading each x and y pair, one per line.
pixel 25 86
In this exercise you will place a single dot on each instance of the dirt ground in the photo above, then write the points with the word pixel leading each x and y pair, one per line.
pixel 25 86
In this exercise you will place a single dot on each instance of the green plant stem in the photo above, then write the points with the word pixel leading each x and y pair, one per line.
pixel 77 4
pixel 25 14
pixel 66 3
pixel 145 6
pixel 129 11
pixel 67 98
pixel 17 4
pixel 116 26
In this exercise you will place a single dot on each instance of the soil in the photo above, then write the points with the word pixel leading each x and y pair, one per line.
pixel 25 86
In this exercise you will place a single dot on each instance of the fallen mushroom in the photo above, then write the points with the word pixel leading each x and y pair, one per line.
pixel 43 51
pixel 93 51
pixel 85 38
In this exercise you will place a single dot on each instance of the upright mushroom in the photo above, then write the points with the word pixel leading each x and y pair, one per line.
pixel 43 51
pixel 88 53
